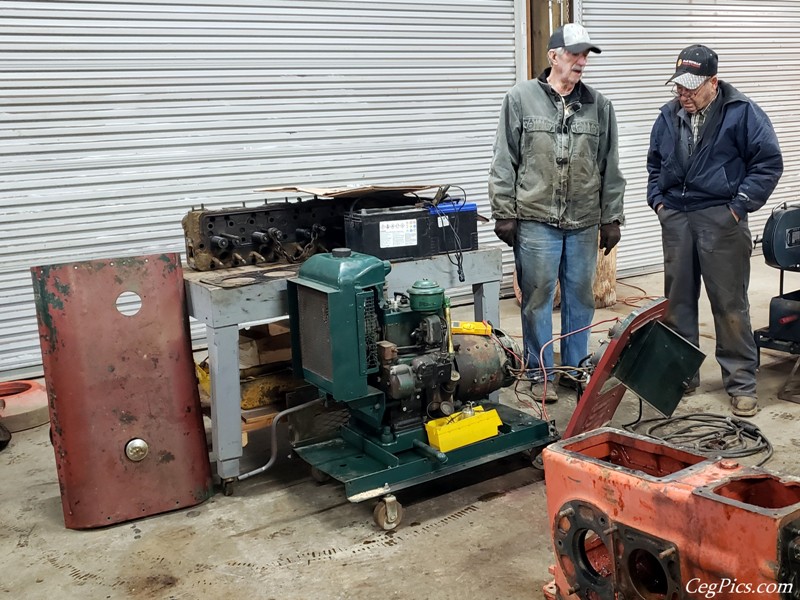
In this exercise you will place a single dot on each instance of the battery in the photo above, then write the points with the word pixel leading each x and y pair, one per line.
pixel 389 233
pixel 454 227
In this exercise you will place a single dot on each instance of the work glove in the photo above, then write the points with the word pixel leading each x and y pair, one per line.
pixel 506 230
pixel 609 236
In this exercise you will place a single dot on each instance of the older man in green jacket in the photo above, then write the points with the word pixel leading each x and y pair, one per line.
pixel 554 181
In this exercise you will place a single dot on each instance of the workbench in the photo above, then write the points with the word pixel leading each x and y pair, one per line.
pixel 228 300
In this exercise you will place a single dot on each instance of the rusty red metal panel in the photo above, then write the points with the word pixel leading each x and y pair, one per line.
pixel 124 407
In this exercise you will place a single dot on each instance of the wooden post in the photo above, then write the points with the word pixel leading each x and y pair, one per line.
pixel 605 281
pixel 539 24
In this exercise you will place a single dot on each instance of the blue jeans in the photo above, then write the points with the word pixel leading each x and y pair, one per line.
pixel 543 255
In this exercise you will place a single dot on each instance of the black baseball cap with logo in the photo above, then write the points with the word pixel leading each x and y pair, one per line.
pixel 695 64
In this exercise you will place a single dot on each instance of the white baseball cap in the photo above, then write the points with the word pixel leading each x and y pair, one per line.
pixel 574 38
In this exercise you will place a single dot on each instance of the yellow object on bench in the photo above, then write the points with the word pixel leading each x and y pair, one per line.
pixel 457 430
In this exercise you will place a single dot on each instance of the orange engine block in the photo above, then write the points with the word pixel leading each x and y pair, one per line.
pixel 634 518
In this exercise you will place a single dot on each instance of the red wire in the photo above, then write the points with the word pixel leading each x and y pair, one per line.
pixel 554 339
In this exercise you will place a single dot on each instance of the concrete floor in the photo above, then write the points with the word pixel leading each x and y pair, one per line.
pixel 480 534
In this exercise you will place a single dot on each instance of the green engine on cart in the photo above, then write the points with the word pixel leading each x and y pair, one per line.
pixel 396 365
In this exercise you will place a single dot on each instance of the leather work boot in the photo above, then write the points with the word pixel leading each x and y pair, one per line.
pixel 550 396
pixel 744 406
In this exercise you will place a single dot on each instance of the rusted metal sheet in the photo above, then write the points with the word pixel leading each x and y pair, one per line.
pixel 124 407
pixel 596 407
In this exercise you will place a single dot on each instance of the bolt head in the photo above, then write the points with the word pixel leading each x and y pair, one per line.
pixel 136 450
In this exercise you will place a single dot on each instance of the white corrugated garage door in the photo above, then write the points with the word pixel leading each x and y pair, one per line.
pixel 118 117
pixel 759 52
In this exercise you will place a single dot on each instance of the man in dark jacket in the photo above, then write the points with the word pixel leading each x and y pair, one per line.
pixel 713 158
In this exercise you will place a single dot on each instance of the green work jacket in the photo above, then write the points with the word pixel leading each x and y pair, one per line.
pixel 556 160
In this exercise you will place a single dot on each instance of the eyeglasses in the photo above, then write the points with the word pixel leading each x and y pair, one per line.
pixel 679 90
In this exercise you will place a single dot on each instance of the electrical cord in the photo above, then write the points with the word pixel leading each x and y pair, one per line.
pixel 635 422
pixel 578 376
pixel 557 338
pixel 457 259
pixel 634 301
pixel 708 434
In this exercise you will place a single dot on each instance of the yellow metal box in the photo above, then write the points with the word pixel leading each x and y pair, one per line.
pixel 457 430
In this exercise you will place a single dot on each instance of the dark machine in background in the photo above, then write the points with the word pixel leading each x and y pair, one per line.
pixel 781 245
pixel 391 223
pixel 403 376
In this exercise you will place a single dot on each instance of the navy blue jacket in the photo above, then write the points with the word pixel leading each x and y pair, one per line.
pixel 737 161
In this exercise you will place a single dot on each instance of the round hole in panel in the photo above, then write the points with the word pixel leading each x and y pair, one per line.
pixel 129 303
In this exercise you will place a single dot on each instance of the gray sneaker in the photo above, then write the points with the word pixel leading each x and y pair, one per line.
pixel 550 396
pixel 744 406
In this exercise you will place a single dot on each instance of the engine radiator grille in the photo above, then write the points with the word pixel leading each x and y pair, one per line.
pixel 316 349
pixel 370 333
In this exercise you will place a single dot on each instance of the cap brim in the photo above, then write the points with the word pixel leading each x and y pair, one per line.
pixel 687 80
pixel 581 48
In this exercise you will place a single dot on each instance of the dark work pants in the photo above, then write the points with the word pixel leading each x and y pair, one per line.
pixel 709 243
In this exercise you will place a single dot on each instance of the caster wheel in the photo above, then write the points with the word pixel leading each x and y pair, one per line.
pixel 227 487
pixel 537 463
pixel 319 476
pixel 388 517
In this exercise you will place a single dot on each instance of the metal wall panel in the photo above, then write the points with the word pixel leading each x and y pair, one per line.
pixel 759 53
pixel 118 117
